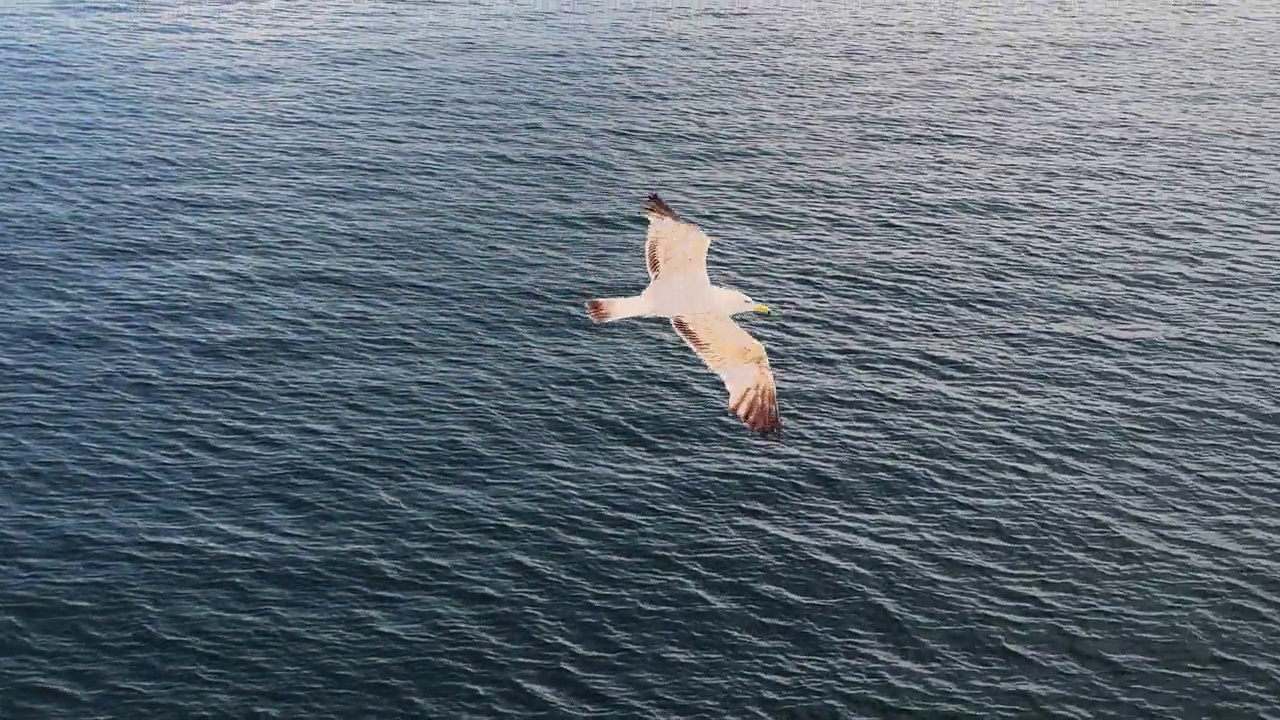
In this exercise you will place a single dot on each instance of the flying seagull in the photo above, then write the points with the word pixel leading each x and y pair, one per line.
pixel 676 255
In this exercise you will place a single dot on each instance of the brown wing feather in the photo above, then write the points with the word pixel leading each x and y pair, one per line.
pixel 652 257
pixel 757 403
pixel 656 206
pixel 741 362
pixel 672 245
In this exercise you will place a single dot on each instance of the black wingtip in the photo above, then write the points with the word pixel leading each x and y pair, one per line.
pixel 655 206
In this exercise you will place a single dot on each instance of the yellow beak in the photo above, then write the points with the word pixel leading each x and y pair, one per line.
pixel 760 308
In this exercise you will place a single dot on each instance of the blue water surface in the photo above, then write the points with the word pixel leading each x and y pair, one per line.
pixel 301 415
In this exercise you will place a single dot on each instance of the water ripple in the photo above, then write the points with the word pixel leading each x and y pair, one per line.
pixel 303 415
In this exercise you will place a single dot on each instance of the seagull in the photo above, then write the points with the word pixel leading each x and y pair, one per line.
pixel 702 314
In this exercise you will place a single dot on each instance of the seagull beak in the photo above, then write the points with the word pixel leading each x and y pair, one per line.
pixel 762 309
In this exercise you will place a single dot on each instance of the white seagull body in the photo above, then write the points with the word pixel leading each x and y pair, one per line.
pixel 679 289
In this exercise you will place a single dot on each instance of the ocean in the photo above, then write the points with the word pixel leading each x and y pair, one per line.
pixel 302 416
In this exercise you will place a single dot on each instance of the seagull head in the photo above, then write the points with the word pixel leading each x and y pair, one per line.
pixel 739 302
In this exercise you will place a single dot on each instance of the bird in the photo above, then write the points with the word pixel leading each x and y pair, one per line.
pixel 701 313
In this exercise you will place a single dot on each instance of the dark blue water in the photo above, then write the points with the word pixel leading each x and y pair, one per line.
pixel 301 415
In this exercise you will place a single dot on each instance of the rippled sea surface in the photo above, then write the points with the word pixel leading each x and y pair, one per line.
pixel 301 415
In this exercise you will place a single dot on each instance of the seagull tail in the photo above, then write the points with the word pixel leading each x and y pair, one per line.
pixel 610 309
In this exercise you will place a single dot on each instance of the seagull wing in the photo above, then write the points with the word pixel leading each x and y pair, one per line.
pixel 672 245
pixel 740 360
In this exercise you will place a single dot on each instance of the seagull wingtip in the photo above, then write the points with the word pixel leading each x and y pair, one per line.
pixel 656 207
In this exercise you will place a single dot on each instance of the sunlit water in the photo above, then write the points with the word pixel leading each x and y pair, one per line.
pixel 301 415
